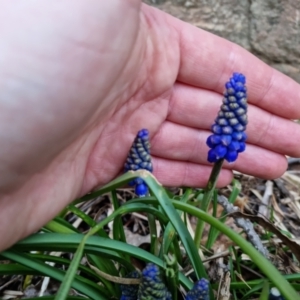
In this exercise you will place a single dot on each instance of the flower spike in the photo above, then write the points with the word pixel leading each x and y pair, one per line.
pixel 228 138
pixel 200 291
pixel 152 286
pixel 130 291
pixel 139 158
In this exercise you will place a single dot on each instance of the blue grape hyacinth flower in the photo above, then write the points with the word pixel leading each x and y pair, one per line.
pixel 139 158
pixel 130 291
pixel 200 291
pixel 152 286
pixel 228 138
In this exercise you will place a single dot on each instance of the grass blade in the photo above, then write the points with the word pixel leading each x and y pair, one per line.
pixel 94 245
pixel 70 275
pixel 265 265
pixel 178 224
pixel 265 292
pixel 91 290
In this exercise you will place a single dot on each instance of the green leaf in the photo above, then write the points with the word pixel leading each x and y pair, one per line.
pixel 173 216
pixel 87 219
pixel 118 228
pixel 94 245
pixel 53 297
pixel 71 272
pixel 60 225
pixel 264 264
pixel 82 285
pixel 165 202
pixel 265 292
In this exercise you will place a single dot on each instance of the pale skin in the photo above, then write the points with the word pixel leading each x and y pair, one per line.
pixel 79 78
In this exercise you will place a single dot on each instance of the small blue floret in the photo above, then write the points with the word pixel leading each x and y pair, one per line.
pixel 228 138
pixel 231 156
pixel 141 189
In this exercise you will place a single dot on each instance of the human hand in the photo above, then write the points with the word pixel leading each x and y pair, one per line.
pixel 77 81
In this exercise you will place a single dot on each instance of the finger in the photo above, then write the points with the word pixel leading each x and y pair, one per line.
pixel 198 108
pixel 179 173
pixel 208 61
pixel 180 143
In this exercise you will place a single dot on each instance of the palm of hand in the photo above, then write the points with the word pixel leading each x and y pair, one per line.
pixel 97 98
pixel 93 102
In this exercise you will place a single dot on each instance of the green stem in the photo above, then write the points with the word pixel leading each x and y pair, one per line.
pixel 153 235
pixel 118 229
pixel 66 284
pixel 207 198
pixel 212 230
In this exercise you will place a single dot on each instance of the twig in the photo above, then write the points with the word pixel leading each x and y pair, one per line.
pixel 265 203
pixel 293 160
pixel 280 184
pixel 224 279
pixel 120 280
pixel 9 282
pixel 244 224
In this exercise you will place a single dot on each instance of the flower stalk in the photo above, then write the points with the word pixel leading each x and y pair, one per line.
pixel 211 184
pixel 227 139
